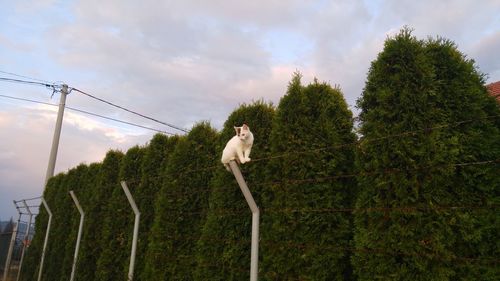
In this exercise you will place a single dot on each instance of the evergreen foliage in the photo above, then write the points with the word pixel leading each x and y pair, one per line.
pixel 118 217
pixel 86 196
pixel 462 95
pixel 33 255
pixel 304 245
pixel 425 114
pixel 60 207
pixel 182 204
pixel 224 245
pixel 75 179
pixel 157 236
pixel 107 179
pixel 414 85
pixel 154 162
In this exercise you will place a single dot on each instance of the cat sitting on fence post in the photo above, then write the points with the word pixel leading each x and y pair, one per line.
pixel 238 147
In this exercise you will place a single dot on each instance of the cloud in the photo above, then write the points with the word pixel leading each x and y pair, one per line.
pixel 162 68
pixel 483 51
pixel 186 61
pixel 24 151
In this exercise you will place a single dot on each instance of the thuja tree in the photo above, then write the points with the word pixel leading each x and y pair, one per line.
pixel 416 106
pixel 75 182
pixel 476 119
pixel 87 184
pixel 224 244
pixel 303 237
pixel 182 205
pixel 106 180
pixel 118 219
pixel 153 179
pixel 154 161
pixel 31 261
pixel 61 207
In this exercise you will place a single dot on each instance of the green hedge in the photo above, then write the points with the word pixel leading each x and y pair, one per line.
pixel 310 130
pixel 425 114
pixel 425 87
pixel 157 237
pixel 224 245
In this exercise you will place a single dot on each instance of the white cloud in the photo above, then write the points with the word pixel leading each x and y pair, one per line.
pixel 484 50
pixel 186 61
pixel 24 150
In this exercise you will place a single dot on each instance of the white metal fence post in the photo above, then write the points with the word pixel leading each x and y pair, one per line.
pixel 254 254
pixel 26 238
pixel 80 228
pixel 11 246
pixel 46 238
pixel 136 230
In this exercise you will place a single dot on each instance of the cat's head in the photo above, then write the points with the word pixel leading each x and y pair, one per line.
pixel 242 132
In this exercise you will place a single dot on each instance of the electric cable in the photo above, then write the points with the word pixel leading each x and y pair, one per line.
pixel 48 85
pixel 131 111
pixel 26 77
pixel 55 88
pixel 89 113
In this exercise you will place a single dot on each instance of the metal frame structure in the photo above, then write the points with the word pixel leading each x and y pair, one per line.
pixel 79 237
pixel 254 254
pixel 15 233
pixel 46 238
pixel 136 230
pixel 26 238
pixel 11 245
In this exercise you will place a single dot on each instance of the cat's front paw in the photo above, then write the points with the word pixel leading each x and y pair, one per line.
pixel 243 161
pixel 247 159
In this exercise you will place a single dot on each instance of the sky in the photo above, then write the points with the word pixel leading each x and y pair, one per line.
pixel 188 61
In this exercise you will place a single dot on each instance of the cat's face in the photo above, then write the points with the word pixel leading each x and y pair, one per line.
pixel 242 132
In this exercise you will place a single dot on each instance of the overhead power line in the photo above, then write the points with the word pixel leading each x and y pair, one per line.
pixel 26 77
pixel 117 120
pixel 56 87
pixel 131 111
pixel 88 113
pixel 12 80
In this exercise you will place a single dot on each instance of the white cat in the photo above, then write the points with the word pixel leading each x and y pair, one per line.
pixel 238 148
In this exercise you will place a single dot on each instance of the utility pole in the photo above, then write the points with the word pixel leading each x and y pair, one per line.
pixel 57 135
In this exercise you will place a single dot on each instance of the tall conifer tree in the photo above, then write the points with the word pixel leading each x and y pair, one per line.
pixel 224 245
pixel 404 230
pixel 86 197
pixel 32 259
pixel 118 220
pixel 61 210
pixel 310 133
pixel 153 165
pixel 182 206
pixel 158 237
pixel 75 182
pixel 107 178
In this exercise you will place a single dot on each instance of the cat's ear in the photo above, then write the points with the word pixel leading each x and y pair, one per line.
pixel 245 127
pixel 237 129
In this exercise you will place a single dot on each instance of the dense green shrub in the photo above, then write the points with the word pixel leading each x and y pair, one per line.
pixel 153 164
pixel 85 197
pixel 224 245
pixel 118 219
pixel 156 235
pixel 33 255
pixel 100 189
pixel 75 181
pixel 310 132
pixel 181 206
pixel 402 230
